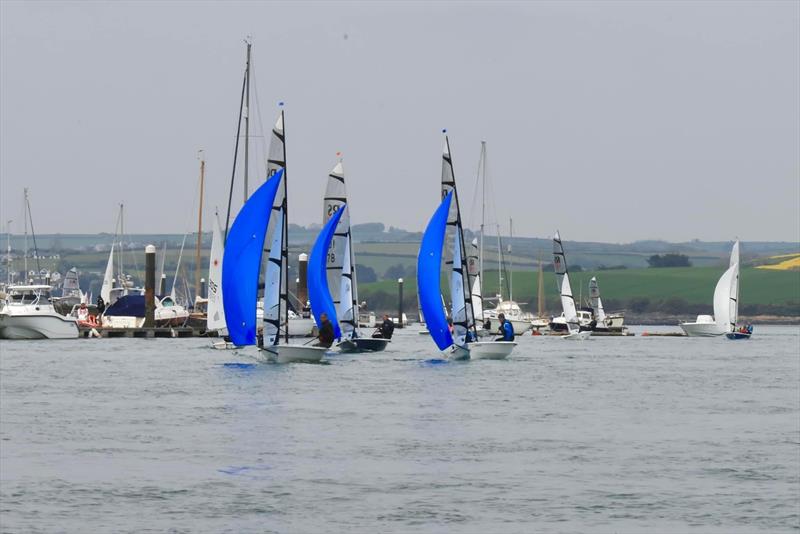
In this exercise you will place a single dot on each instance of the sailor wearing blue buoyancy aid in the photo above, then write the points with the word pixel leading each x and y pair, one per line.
pixel 506 330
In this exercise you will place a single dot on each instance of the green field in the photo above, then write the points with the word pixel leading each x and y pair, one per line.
pixel 695 285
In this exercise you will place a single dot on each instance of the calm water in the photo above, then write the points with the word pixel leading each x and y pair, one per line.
pixel 610 435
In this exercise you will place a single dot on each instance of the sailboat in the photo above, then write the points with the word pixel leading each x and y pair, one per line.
pixel 541 322
pixel 241 263
pixel 726 306
pixel 332 261
pixel 27 312
pixel 276 283
pixel 461 343
pixel 604 322
pixel 521 321
pixel 570 316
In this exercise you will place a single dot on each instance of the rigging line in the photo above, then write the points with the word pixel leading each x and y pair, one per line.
pixel 264 150
pixel 235 154
pixel 33 234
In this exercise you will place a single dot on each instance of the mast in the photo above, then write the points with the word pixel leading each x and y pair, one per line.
pixel 199 227
pixel 33 233
pixel 247 120
pixel 236 150
pixel 540 282
pixel 500 267
pixel 121 248
pixel 483 209
pixel 25 219
pixel 469 311
pixel 510 260
pixel 285 242
pixel 8 251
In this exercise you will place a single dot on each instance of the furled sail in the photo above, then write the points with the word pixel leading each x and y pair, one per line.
pixel 318 289
pixel 562 279
pixel 597 304
pixel 429 264
pixel 241 262
pixel 215 316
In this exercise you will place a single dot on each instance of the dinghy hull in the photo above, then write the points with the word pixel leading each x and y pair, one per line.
pixel 491 350
pixel 365 344
pixel 295 353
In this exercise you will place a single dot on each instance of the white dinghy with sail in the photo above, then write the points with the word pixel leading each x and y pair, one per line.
pixel 726 304
pixel 339 270
pixel 276 283
pixel 461 343
pixel 570 314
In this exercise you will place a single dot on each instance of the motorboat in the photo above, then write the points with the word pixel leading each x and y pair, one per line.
pixel 27 313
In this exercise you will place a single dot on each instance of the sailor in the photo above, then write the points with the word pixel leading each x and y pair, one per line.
pixel 386 328
pixel 506 330
pixel 101 305
pixel 325 332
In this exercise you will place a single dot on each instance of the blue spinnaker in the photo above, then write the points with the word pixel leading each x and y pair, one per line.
pixel 429 281
pixel 241 262
pixel 318 292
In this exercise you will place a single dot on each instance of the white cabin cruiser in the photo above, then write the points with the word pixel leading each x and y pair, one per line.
pixel 27 313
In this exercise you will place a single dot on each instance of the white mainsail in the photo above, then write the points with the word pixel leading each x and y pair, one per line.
pixel 597 304
pixel 108 278
pixel 459 306
pixel 474 272
pixel 460 296
pixel 347 307
pixel 562 279
pixel 726 294
pixel 215 317
pixel 340 264
pixel 272 286
pixel 161 259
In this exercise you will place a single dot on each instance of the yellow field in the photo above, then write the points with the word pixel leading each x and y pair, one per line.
pixel 791 263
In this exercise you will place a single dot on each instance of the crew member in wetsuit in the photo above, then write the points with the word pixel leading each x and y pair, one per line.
pixel 325 332
pixel 506 330
pixel 385 330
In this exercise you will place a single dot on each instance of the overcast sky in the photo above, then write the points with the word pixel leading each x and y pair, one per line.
pixel 610 121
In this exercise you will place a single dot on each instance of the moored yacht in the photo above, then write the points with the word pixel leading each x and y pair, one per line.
pixel 27 313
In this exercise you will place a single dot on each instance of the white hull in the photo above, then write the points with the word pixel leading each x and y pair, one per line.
pixel 702 329
pixel 457 353
pixel 294 353
pixel 224 345
pixel 578 336
pixel 491 350
pixel 37 327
